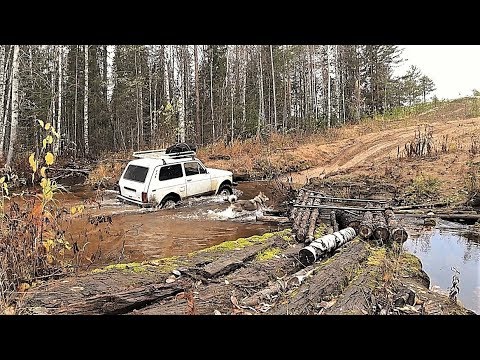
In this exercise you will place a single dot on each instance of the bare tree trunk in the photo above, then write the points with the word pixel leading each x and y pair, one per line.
pixel 244 86
pixel 166 75
pixel 261 115
pixel 85 104
pixel 2 96
pixel 181 97
pixel 155 112
pixel 197 96
pixel 56 148
pixel 15 109
pixel 75 104
pixel 329 95
pixel 150 104
pixel 273 88
pixel 211 94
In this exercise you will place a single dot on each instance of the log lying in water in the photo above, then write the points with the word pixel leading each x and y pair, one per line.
pixel 380 228
pixel 275 219
pixel 366 225
pixel 319 247
pixel 397 233
pixel 300 199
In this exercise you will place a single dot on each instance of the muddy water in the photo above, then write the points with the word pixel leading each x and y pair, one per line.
pixel 450 245
pixel 136 234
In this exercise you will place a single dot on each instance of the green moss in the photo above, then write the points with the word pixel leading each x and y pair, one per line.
pixel 320 230
pixel 268 254
pixel 410 262
pixel 163 265
pixel 243 242
pixel 134 266
pixel 376 256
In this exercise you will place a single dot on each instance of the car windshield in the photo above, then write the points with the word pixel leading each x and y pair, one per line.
pixel 136 173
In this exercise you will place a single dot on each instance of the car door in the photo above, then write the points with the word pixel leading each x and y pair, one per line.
pixel 168 179
pixel 197 179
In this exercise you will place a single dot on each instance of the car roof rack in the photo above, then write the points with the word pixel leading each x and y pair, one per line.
pixel 161 154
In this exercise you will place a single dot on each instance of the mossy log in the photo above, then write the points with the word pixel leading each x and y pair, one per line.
pixel 330 278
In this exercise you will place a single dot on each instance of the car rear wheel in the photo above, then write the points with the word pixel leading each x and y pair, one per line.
pixel 225 190
pixel 168 203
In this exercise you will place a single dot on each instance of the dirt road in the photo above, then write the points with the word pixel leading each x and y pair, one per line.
pixel 373 149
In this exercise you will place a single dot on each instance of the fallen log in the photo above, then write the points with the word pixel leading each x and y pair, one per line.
pixel 380 228
pixel 274 219
pixel 299 200
pixel 327 243
pixel 312 225
pixel 397 233
pixel 422 206
pixel 346 199
pixel 328 282
pixel 302 228
pixel 325 206
pixel 227 264
pixel 333 220
pixel 366 225
pixel 121 302
pixel 279 286
pixel 346 219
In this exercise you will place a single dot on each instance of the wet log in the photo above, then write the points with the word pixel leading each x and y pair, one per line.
pixel 397 232
pixel 366 225
pixel 227 264
pixel 279 286
pixel 325 244
pixel 380 228
pixel 328 281
pixel 274 219
pixel 347 219
pixel 333 221
pixel 422 206
pixel 335 207
pixel 121 302
pixel 312 224
pixel 299 200
pixel 303 224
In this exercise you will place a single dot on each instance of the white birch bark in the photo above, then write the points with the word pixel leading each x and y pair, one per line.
pixel 2 94
pixel 59 106
pixel 85 104
pixel 15 109
pixel 273 88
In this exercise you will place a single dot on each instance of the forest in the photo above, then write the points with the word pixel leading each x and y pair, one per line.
pixel 105 98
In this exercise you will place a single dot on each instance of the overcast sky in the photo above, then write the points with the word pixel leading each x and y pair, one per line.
pixel 455 69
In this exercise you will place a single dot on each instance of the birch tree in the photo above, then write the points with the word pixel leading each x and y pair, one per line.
pixel 59 106
pixel 85 104
pixel 2 96
pixel 15 104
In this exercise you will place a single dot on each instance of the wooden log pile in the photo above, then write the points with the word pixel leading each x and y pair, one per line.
pixel 367 218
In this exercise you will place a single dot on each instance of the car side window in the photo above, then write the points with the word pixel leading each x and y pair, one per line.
pixel 170 172
pixel 191 168
pixel 202 169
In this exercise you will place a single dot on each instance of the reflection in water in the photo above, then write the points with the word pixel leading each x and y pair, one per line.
pixel 450 245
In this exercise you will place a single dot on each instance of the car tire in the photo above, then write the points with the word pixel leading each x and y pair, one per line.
pixel 168 202
pixel 225 190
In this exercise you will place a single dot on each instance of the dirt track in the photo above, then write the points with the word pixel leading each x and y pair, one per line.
pixel 376 148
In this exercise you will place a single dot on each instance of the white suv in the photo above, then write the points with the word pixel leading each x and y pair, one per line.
pixel 159 178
